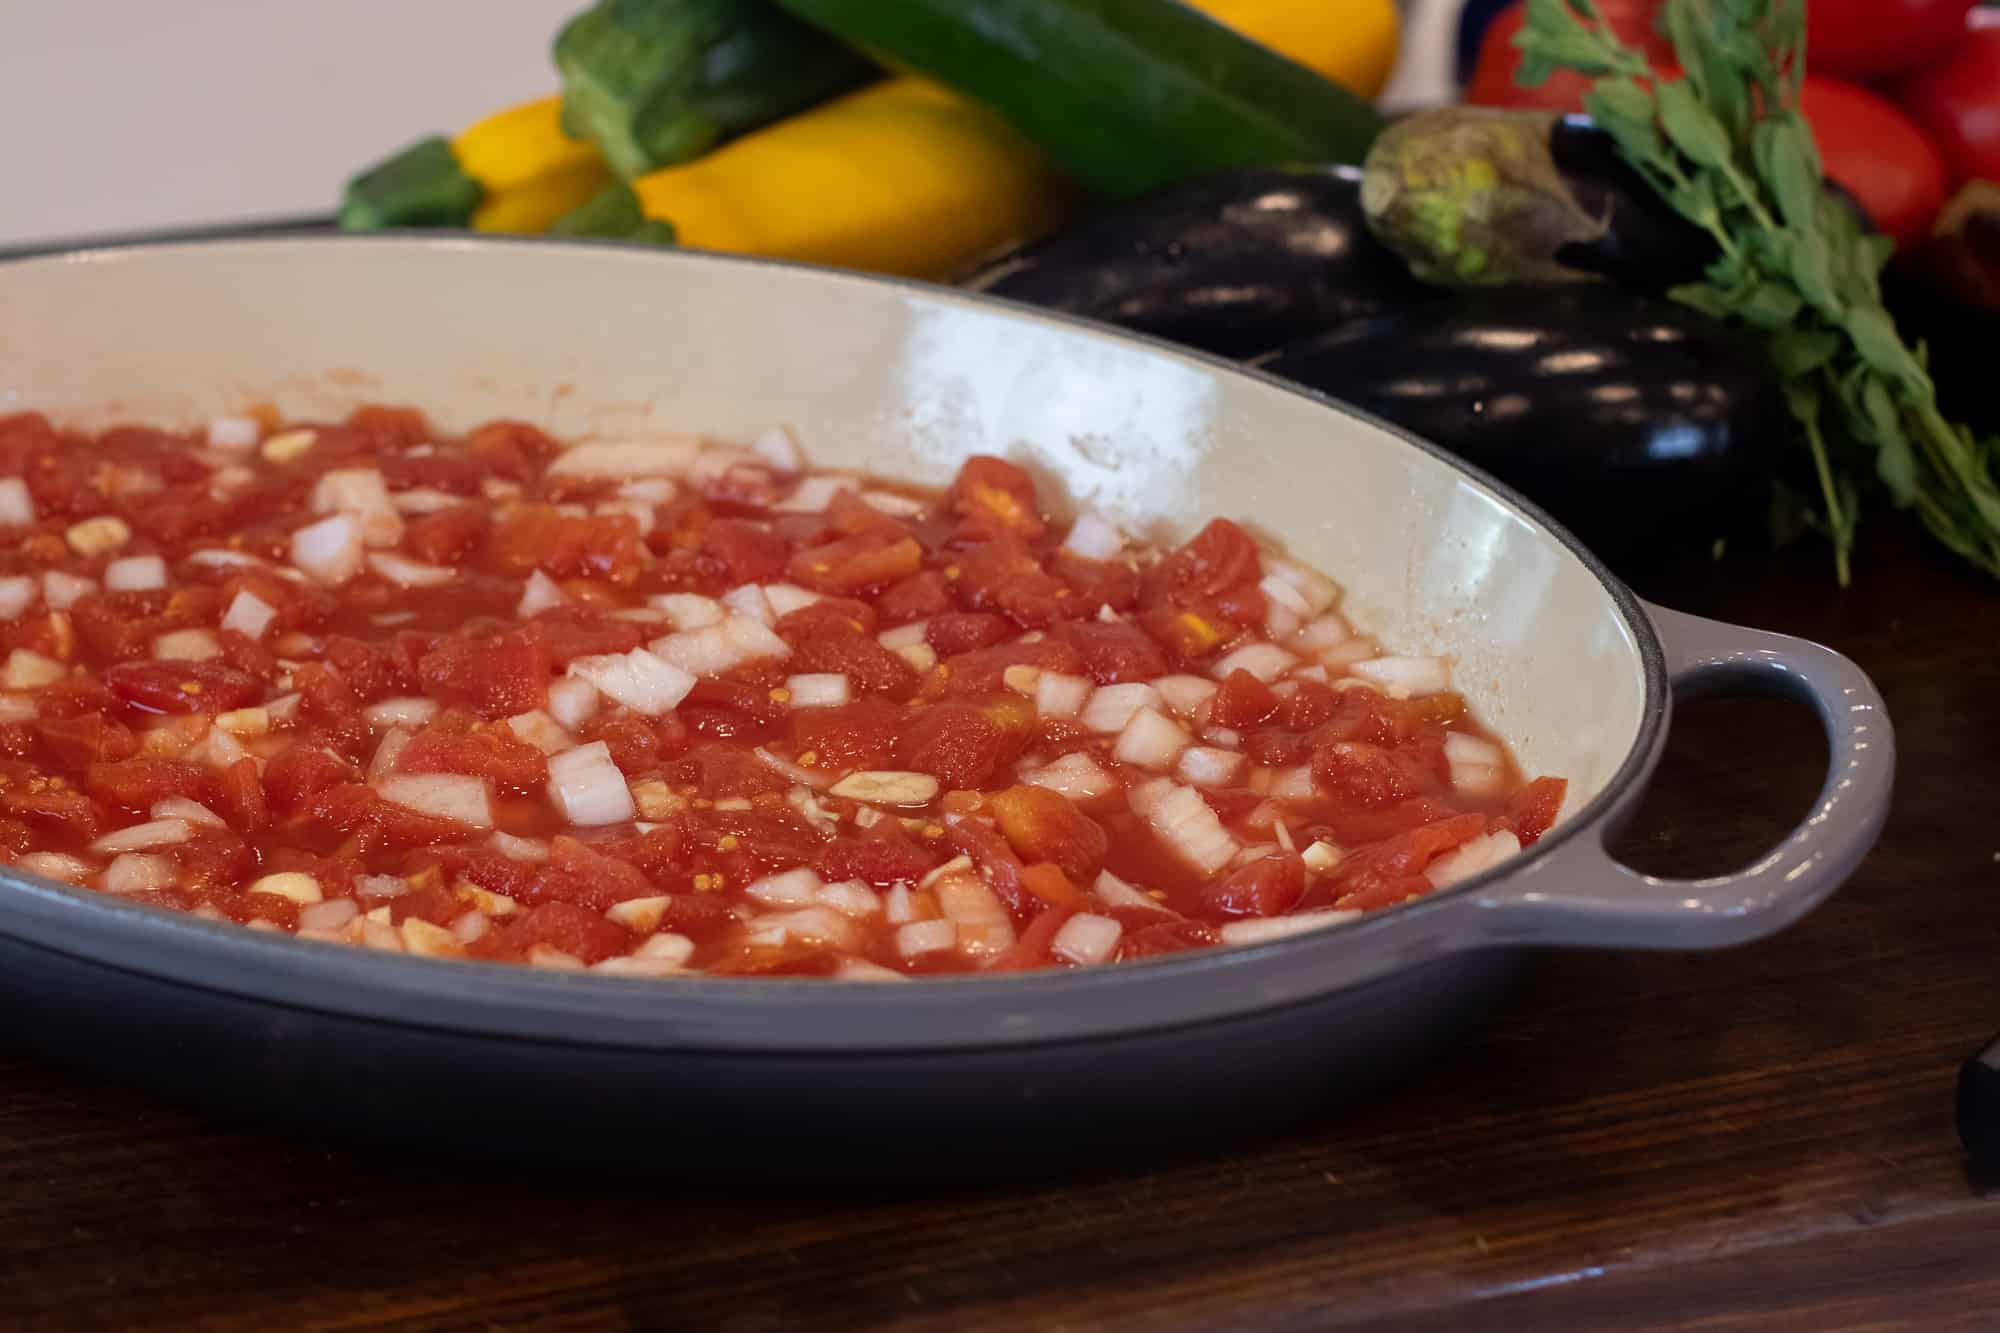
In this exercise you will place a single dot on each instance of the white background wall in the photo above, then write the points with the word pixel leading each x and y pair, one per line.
pixel 117 115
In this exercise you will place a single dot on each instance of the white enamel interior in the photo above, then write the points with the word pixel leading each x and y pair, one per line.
pixel 899 379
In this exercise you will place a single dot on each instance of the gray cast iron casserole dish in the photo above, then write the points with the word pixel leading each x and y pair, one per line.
pixel 963 1076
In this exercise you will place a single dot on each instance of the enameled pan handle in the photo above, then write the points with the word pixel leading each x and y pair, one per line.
pixel 1579 896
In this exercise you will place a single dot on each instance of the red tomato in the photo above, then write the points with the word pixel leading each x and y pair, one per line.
pixel 1865 39
pixel 1492 82
pixel 1877 153
pixel 1957 102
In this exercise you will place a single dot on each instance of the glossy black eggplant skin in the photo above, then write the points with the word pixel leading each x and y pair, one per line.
pixel 1628 417
pixel 1235 263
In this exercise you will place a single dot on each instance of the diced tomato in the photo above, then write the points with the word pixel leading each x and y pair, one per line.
pixel 577 873
pixel 74 696
pixel 865 562
pixel 1370 775
pixel 1097 583
pixel 917 597
pixel 744 552
pixel 486 868
pixel 827 637
pixel 87 738
pixel 963 631
pixel 1114 650
pixel 1031 947
pixel 299 774
pixel 1043 825
pixel 386 428
pixel 882 856
pixel 1004 577
pixel 741 845
pixel 857 735
pixel 495 675
pixel 582 933
pixel 1165 937
pixel 1188 634
pixel 1392 870
pixel 563 545
pixel 183 687
pixel 489 752
pixel 239 796
pixel 139 784
pixel 1052 884
pixel 719 772
pixel 956 743
pixel 512 450
pixel 1218 558
pixel 245 654
pixel 216 860
pixel 634 743
pixel 1242 702
pixel 52 806
pixel 985 671
pixel 574 631
pixel 994 498
pixel 1269 886
pixel 1533 809
pixel 371 671
pixel 353 808
pixel 447 536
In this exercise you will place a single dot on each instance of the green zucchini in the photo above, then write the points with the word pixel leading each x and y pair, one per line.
pixel 422 186
pixel 655 82
pixel 1127 95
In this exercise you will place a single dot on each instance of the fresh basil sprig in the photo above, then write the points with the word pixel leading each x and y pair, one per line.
pixel 1727 147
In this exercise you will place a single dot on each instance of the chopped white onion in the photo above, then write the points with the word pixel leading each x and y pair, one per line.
pixel 851 897
pixel 180 807
pixel 17 708
pixel 1265 661
pixel 363 495
pixel 62 591
pixel 1259 929
pixel 386 752
pixel 1321 857
pixel 786 598
pixel 17 503
pixel 572 702
pixel 687 610
pixel 407 573
pixel 918 938
pixel 792 888
pixel 187 645
pixel 56 865
pixel 1117 893
pixel 748 601
pixel 639 680
pixel 812 924
pixel 381 886
pixel 135 573
pixel 819 689
pixel 1292 784
pixel 1322 636
pixel 911 635
pixel 892 504
pixel 657 456
pixel 1472 857
pixel 454 796
pixel 283 708
pixel 1405 677
pixel 985 930
pixel 588 788
pixel 714 649
pixel 1150 740
pixel 1087 938
pixel 539 595
pixel 249 615
pixel 1226 738
pixel 1285 596
pixel 425 500
pixel 330 914
pixel 1058 695
pixel 330 550
pixel 1478 767
pixel 812 494
pixel 29 670
pixel 667 946
pixel 224 559
pixel 540 730
pixel 1185 694
pixel 1112 706
pixel 414 709
pixel 17 594
pixel 860 969
pixel 1206 766
pixel 220 748
pixel 520 849
pixel 650 490
pixel 137 838
pixel 777 447
pixel 135 872
pixel 1186 823
pixel 234 432
pixel 1094 537
pixel 1075 775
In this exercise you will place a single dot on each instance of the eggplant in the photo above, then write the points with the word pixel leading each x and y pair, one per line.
pixel 1945 290
pixel 1234 262
pixel 1476 197
pixel 1628 417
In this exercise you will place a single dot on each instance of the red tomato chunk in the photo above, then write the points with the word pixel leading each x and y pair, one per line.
pixel 627 709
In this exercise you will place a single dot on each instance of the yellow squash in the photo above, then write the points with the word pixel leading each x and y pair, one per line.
pixel 1351 42
pixel 900 177
pixel 531 172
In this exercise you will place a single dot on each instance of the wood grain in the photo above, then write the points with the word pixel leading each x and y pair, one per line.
pixel 1755 1139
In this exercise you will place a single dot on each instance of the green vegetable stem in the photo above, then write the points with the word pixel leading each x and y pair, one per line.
pixel 1727 148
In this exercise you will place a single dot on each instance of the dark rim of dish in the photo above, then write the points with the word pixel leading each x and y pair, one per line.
pixel 491 999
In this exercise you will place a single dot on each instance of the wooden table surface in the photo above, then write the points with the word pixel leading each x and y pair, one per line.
pixel 1756 1139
